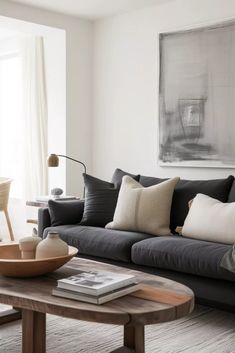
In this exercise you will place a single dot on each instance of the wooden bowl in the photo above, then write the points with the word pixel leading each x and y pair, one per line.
pixel 11 264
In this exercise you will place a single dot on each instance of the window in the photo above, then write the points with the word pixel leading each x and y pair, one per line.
pixel 11 122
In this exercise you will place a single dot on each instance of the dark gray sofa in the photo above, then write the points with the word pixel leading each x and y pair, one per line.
pixel 189 261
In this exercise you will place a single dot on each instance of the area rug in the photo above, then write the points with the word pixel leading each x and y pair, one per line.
pixel 204 331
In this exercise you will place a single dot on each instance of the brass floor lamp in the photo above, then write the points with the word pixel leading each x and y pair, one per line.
pixel 53 161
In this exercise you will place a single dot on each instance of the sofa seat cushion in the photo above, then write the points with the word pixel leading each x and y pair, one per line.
pixel 93 241
pixel 183 255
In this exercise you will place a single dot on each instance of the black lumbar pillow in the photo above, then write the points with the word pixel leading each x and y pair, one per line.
pixel 65 212
pixel 100 201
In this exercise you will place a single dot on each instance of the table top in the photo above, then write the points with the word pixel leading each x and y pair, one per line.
pixel 161 299
pixel 37 203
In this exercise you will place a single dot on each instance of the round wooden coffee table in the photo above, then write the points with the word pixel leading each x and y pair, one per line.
pixel 160 300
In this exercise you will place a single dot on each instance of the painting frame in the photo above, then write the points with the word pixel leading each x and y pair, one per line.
pixel 197 103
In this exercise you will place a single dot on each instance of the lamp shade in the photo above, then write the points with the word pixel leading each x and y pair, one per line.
pixel 53 160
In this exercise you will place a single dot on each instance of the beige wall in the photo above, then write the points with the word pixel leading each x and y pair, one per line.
pixel 78 83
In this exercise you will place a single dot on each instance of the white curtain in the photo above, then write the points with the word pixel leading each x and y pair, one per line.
pixel 34 117
pixel 23 126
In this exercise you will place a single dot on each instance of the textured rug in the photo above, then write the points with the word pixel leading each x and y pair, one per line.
pixel 205 331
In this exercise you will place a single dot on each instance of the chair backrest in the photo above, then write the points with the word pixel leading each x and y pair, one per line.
pixel 5 184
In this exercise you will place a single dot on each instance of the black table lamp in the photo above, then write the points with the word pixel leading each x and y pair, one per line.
pixel 53 161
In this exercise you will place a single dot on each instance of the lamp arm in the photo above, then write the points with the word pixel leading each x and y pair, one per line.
pixel 75 160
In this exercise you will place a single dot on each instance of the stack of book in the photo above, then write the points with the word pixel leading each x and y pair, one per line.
pixel 96 287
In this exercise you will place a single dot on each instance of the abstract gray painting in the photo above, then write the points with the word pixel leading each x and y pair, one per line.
pixel 197 97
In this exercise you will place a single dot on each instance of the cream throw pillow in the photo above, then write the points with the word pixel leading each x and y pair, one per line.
pixel 144 209
pixel 210 219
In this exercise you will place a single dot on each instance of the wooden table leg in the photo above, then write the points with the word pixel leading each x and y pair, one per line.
pixel 133 340
pixel 33 332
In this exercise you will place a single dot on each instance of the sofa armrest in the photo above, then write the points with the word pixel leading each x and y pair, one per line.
pixel 44 220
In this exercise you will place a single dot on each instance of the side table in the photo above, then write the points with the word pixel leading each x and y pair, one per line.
pixel 36 203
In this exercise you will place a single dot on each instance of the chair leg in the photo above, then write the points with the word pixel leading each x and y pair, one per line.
pixel 9 225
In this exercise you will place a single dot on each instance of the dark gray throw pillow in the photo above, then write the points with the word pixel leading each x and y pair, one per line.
pixel 119 174
pixel 100 201
pixel 186 190
pixel 65 212
pixel 231 196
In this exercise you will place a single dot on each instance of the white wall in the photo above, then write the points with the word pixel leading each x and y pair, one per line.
pixel 125 92
pixel 78 84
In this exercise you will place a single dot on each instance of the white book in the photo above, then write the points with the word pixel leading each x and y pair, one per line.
pixel 100 299
pixel 96 282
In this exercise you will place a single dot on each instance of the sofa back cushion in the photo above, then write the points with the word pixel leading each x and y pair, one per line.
pixel 186 190
pixel 119 174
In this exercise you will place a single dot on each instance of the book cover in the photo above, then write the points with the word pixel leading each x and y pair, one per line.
pixel 96 283
pixel 100 299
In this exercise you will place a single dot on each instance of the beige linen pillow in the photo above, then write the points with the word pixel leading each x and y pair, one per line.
pixel 144 209
pixel 210 219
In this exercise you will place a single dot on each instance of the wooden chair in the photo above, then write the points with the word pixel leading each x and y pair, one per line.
pixel 5 184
